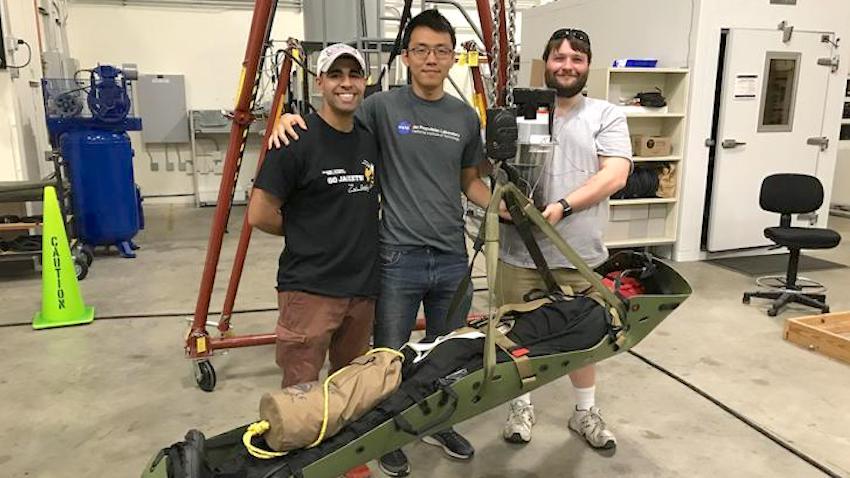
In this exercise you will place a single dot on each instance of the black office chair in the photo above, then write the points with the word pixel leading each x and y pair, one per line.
pixel 790 194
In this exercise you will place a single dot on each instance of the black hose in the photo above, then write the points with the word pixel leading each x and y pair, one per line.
pixel 755 426
pixel 154 315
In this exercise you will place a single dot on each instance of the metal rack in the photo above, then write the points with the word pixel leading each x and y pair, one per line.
pixel 33 191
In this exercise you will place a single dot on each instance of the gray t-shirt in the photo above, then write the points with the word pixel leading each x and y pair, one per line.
pixel 424 145
pixel 592 129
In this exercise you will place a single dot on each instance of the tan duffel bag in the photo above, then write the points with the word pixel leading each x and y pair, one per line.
pixel 303 415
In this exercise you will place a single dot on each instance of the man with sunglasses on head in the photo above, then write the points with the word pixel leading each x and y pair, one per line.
pixel 430 146
pixel 592 161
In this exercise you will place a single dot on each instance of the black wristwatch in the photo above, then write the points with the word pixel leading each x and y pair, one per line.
pixel 567 208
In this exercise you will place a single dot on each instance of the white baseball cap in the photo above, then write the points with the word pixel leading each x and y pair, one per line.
pixel 332 52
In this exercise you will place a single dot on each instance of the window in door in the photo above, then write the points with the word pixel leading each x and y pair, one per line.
pixel 779 92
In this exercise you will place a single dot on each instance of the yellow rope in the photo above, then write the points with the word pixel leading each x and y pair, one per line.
pixel 258 428
pixel 326 393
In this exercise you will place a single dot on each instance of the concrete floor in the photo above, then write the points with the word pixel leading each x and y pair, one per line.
pixel 100 400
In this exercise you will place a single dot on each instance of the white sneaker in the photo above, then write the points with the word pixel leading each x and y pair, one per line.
pixel 521 419
pixel 590 425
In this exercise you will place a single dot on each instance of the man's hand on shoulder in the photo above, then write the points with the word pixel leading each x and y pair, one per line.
pixel 285 129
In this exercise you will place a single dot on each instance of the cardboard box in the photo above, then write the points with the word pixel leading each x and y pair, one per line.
pixel 538 70
pixel 649 146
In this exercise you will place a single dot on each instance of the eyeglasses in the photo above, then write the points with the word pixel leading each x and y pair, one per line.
pixel 570 33
pixel 440 52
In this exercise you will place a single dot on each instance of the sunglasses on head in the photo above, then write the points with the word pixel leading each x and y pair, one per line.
pixel 570 33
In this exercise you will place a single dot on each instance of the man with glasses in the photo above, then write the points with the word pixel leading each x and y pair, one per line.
pixel 430 146
pixel 592 161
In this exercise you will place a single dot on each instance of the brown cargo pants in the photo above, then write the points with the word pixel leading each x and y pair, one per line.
pixel 311 326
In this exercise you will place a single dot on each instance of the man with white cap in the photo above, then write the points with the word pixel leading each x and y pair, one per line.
pixel 321 193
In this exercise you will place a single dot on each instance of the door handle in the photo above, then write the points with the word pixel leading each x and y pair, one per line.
pixel 731 143
pixel 821 141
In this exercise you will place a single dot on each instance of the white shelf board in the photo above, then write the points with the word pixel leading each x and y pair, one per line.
pixel 655 115
pixel 648 159
pixel 649 241
pixel 632 202
pixel 647 70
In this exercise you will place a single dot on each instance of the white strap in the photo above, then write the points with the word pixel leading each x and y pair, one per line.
pixel 423 349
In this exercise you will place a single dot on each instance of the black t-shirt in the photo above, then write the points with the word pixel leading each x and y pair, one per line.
pixel 327 183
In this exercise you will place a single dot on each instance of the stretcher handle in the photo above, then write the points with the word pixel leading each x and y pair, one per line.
pixel 427 429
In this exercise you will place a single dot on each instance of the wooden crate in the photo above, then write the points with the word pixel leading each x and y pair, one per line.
pixel 828 334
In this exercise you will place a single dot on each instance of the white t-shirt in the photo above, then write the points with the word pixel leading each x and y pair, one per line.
pixel 592 129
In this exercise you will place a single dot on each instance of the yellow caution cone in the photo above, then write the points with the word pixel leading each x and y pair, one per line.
pixel 61 302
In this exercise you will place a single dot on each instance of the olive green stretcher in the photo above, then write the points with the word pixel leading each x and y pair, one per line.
pixel 498 382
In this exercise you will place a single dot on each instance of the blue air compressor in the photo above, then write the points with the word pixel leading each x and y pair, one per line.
pixel 88 123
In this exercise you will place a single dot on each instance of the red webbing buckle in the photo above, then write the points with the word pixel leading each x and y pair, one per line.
pixel 519 352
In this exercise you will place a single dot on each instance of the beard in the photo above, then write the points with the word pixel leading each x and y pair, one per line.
pixel 566 91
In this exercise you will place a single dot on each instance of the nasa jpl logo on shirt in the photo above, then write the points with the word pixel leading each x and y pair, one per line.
pixel 404 127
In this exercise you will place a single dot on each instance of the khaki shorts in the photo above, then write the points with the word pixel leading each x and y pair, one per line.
pixel 311 326
pixel 513 282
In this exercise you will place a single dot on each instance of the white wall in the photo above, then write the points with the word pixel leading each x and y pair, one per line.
pixel 841 183
pixel 23 133
pixel 666 29
pixel 617 29
pixel 206 45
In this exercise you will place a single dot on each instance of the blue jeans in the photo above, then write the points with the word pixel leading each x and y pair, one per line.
pixel 414 275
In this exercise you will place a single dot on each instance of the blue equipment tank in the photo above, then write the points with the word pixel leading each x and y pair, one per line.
pixel 88 122
pixel 105 199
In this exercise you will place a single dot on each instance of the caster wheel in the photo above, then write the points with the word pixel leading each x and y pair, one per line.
pixel 825 310
pixel 746 299
pixel 81 268
pixel 205 375
pixel 772 312
pixel 88 253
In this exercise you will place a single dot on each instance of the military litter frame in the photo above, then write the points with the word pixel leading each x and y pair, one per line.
pixel 497 383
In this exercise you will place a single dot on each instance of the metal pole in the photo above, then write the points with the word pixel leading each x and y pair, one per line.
pixel 465 15
pixel 197 343
pixel 459 91
pixel 245 236
pixel 485 17
pixel 266 44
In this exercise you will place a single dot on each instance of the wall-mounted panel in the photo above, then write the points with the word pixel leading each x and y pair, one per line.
pixel 162 106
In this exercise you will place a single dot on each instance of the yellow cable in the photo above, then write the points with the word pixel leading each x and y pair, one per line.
pixel 259 428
